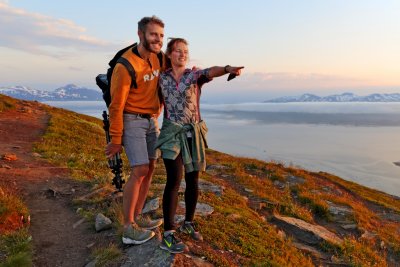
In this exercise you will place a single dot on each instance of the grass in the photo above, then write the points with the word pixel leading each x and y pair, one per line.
pixel 16 249
pixel 107 256
pixel 75 141
pixel 15 246
pixel 313 195
pixel 366 193
pixel 236 227
pixel 361 254
pixel 12 209
pixel 7 103
pixel 235 234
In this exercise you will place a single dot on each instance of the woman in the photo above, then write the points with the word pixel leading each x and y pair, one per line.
pixel 183 137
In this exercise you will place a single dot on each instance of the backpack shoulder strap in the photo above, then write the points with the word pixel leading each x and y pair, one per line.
pixel 119 54
pixel 130 69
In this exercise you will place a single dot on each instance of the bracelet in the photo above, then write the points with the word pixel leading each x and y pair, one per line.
pixel 226 67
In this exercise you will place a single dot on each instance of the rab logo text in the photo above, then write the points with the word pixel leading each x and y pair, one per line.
pixel 150 77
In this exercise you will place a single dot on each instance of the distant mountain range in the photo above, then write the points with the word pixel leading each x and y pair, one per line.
pixel 66 93
pixel 345 97
pixel 73 92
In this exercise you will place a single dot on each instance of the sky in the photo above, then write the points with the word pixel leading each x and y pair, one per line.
pixel 288 47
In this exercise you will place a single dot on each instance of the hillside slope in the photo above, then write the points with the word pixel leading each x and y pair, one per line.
pixel 260 213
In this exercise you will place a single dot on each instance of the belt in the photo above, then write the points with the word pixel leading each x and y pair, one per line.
pixel 138 115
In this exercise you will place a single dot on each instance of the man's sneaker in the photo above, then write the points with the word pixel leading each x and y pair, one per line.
pixel 135 235
pixel 172 244
pixel 146 223
pixel 190 229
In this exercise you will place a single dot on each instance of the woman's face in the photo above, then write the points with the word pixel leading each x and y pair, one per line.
pixel 179 55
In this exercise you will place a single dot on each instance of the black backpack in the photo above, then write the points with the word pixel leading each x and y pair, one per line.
pixel 104 80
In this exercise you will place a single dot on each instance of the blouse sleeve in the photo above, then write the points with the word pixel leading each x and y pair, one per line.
pixel 201 76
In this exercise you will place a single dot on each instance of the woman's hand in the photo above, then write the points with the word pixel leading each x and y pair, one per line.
pixel 234 70
pixel 219 71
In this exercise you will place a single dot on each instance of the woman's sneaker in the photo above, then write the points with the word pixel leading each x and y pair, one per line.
pixel 190 229
pixel 134 235
pixel 146 223
pixel 172 244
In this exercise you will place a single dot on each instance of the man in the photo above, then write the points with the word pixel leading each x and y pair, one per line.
pixel 133 123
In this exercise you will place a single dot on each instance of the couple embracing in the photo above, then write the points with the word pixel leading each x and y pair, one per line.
pixel 166 84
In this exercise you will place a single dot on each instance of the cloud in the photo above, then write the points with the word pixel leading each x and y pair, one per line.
pixel 290 81
pixel 39 34
pixel 75 69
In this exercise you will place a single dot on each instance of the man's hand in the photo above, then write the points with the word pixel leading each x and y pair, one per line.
pixel 112 149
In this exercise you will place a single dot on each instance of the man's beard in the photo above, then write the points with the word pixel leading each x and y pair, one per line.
pixel 146 44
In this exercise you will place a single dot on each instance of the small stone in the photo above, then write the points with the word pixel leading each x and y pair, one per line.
pixel 9 157
pixel 339 211
pixel 294 180
pixel 92 263
pixel 216 167
pixel 349 226
pixel 202 209
pixel 78 223
pixel 234 216
pixel 151 205
pixel 36 155
pixel 91 245
pixel 279 184
pixel 248 190
pixel 368 235
pixel 5 166
pixel 281 234
pixel 179 218
pixel 102 222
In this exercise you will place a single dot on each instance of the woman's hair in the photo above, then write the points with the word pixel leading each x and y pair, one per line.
pixel 170 48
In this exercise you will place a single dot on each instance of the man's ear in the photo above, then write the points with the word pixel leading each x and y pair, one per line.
pixel 140 34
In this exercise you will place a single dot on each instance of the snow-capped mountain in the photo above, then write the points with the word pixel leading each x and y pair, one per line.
pixel 68 92
pixel 73 92
pixel 345 97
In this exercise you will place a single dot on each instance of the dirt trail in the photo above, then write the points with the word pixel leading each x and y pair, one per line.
pixel 60 238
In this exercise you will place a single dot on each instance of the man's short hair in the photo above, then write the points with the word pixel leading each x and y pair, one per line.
pixel 142 24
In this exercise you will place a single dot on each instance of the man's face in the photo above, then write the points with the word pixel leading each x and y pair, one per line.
pixel 153 38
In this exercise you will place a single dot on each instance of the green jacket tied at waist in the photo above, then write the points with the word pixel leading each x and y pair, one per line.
pixel 173 140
